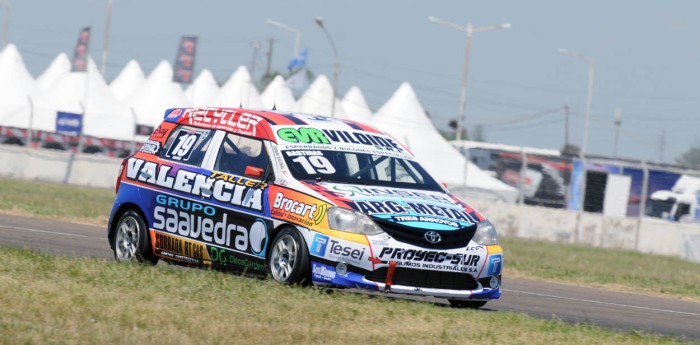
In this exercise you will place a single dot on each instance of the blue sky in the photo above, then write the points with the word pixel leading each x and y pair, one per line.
pixel 646 56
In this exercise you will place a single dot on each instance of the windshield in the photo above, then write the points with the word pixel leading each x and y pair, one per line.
pixel 358 168
pixel 659 208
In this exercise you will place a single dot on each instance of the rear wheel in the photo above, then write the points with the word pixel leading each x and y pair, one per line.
pixel 457 303
pixel 289 258
pixel 131 240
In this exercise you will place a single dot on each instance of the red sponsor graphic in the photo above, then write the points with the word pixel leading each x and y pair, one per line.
pixel 175 113
pixel 161 133
pixel 235 121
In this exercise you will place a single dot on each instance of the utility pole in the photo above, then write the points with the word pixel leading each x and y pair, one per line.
pixel 5 22
pixel 662 144
pixel 105 47
pixel 256 46
pixel 566 127
pixel 271 42
pixel 618 123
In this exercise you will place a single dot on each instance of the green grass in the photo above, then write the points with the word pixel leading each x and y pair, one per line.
pixel 59 201
pixel 49 299
pixel 617 269
pixel 613 269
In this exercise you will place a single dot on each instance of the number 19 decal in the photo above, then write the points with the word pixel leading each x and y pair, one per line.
pixel 315 164
pixel 183 145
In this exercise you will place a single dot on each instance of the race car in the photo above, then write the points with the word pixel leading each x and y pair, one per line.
pixel 305 199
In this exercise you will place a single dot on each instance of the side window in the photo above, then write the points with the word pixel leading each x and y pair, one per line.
pixel 187 145
pixel 238 152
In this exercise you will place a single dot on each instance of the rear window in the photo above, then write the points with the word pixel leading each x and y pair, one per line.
pixel 187 145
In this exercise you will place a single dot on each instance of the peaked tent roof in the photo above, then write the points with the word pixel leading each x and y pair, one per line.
pixel 403 117
pixel 59 67
pixel 318 99
pixel 105 117
pixel 157 94
pixel 129 80
pixel 355 105
pixel 202 90
pixel 279 95
pixel 16 86
pixel 238 90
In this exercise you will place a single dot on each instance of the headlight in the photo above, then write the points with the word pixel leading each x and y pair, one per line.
pixel 350 221
pixel 485 234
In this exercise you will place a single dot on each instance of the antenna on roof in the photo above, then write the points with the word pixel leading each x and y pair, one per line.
pixel 240 100
pixel 274 102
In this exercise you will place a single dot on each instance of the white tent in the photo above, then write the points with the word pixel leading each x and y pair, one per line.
pixel 238 91
pixel 279 95
pixel 157 94
pixel 16 87
pixel 79 92
pixel 318 99
pixel 59 67
pixel 355 105
pixel 204 88
pixel 128 80
pixel 403 117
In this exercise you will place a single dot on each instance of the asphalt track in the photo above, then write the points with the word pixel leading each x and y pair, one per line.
pixel 621 311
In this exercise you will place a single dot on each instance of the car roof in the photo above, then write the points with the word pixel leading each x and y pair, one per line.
pixel 290 129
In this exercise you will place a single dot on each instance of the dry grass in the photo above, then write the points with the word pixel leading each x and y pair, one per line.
pixel 47 299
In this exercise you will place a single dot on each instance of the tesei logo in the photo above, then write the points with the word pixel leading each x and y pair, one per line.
pixel 495 265
pixel 318 246
pixel 339 250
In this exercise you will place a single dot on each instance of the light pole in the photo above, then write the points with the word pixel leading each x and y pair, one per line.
pixel 5 22
pixel 336 66
pixel 105 47
pixel 296 32
pixel 469 30
pixel 589 98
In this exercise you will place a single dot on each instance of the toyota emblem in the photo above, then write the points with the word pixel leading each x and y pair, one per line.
pixel 432 237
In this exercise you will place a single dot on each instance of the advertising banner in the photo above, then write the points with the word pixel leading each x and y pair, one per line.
pixel 184 62
pixel 68 123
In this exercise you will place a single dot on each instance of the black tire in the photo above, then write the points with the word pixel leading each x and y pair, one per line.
pixel 131 241
pixel 288 259
pixel 458 303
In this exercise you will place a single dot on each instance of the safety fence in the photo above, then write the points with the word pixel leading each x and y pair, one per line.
pixel 613 199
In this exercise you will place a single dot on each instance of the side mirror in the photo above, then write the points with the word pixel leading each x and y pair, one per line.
pixel 251 171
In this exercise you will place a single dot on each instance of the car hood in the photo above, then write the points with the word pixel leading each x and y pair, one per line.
pixel 436 210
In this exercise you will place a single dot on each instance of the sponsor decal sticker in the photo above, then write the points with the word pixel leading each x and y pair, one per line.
pixel 323 272
pixel 318 246
pixel 495 265
pixel 208 224
pixel 150 146
pixel 239 193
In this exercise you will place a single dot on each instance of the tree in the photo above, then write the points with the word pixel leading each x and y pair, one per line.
pixel 478 133
pixel 570 150
pixel 690 157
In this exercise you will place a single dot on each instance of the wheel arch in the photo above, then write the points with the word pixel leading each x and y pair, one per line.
pixel 118 214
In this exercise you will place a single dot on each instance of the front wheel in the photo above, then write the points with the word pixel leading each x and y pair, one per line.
pixel 458 303
pixel 131 240
pixel 289 258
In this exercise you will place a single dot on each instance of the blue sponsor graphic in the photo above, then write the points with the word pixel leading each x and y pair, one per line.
pixel 322 272
pixel 318 246
pixel 69 123
pixel 495 265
